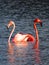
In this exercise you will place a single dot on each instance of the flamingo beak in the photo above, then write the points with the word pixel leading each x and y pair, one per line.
pixel 10 24
pixel 41 24
pixel 7 26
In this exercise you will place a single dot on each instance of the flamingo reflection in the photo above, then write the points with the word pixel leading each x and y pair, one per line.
pixel 14 53
pixel 37 56
pixel 21 52
pixel 10 53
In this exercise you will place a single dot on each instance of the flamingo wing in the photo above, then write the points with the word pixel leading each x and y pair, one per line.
pixel 19 38
pixel 23 37
pixel 30 38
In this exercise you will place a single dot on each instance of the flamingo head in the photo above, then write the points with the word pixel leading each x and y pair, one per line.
pixel 10 24
pixel 37 20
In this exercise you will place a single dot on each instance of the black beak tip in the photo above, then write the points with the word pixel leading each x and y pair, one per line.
pixel 7 27
pixel 41 24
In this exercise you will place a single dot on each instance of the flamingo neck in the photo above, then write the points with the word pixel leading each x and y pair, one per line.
pixel 11 33
pixel 37 37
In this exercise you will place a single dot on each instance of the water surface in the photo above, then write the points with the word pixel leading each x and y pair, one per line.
pixel 23 13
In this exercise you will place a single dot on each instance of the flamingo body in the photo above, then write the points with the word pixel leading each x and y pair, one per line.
pixel 23 38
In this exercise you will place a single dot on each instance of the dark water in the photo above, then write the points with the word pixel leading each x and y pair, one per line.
pixel 23 13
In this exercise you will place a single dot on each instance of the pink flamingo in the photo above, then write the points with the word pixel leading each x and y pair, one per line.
pixel 20 37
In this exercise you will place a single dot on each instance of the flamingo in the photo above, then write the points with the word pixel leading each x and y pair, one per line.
pixel 21 37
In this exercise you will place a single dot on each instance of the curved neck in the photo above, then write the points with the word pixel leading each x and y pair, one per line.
pixel 37 37
pixel 11 33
